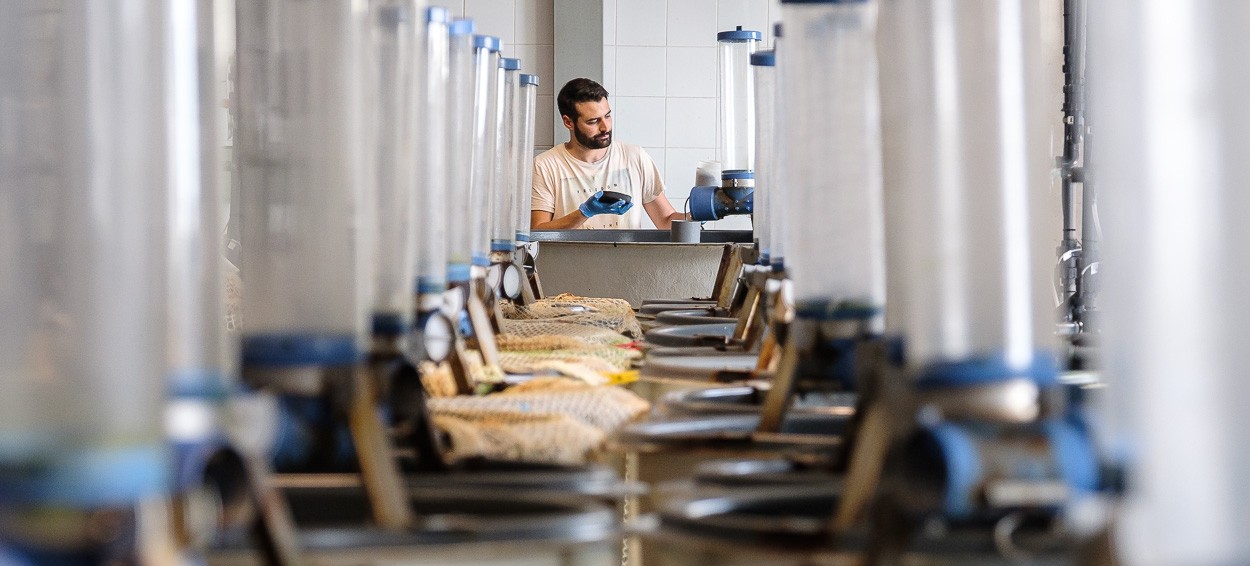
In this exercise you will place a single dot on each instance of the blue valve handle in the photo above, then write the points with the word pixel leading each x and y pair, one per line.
pixel 593 206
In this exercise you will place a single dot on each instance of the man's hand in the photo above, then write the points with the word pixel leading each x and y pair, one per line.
pixel 593 206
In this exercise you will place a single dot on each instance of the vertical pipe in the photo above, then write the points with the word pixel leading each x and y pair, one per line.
pixel 460 144
pixel 1168 92
pixel 432 159
pixel 525 158
pixel 84 170
pixel 303 154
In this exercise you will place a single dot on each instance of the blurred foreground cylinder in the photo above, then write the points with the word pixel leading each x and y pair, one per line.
pixel 832 174
pixel 303 151
pixel 432 169
pixel 1168 88
pixel 83 174
pixel 958 173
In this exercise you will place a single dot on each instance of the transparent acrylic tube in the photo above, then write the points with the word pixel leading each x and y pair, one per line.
pixel 486 83
pixel 780 195
pixel 525 158
pixel 1167 90
pixel 830 69
pixel 433 151
pixel 393 101
pixel 958 176
pixel 765 142
pixel 737 99
pixel 303 153
pixel 84 169
pixel 503 193
pixel 460 143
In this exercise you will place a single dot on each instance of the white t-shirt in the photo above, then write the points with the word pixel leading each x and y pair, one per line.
pixel 563 182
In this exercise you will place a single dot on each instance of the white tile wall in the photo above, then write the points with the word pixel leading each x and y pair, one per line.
pixel 494 17
pixel 609 69
pixel 691 71
pixel 692 23
pixel 691 123
pixel 534 19
pixel 641 22
pixel 639 120
pixel 640 71
pixel 750 14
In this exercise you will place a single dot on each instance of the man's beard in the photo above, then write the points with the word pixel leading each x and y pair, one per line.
pixel 596 142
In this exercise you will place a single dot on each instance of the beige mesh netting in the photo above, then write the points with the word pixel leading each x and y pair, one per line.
pixel 581 332
pixel 544 420
pixel 614 314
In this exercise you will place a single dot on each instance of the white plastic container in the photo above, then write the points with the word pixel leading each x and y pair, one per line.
pixel 763 66
pixel 460 143
pixel 525 155
pixel 303 152
pixel 833 164
pixel 83 294
pixel 959 176
pixel 432 155
pixel 486 82
pixel 393 99
pixel 1168 84
pixel 737 98
pixel 504 192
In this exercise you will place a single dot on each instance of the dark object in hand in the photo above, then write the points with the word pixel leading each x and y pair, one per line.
pixel 610 197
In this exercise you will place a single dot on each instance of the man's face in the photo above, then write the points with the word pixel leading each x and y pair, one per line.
pixel 593 127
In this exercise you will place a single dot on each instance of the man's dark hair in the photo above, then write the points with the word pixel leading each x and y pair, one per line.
pixel 578 90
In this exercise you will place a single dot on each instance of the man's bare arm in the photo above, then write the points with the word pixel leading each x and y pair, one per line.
pixel 662 213
pixel 542 220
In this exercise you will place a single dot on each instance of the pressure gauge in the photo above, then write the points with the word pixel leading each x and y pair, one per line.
pixel 511 283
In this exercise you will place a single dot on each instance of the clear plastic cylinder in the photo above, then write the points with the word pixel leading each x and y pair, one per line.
pixel 833 173
pixel 197 344
pixel 780 195
pixel 487 77
pixel 737 99
pixel 393 98
pixel 959 176
pixel 433 152
pixel 1167 89
pixel 525 155
pixel 763 65
pixel 303 155
pixel 503 193
pixel 460 144
pixel 83 204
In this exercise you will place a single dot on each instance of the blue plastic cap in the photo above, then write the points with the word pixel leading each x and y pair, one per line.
pixel 529 80
pixel 737 174
pixel 510 64
pixel 437 15
pixel 461 26
pixel 765 58
pixel 388 324
pixel 831 310
pixel 994 368
pixel 285 350
pixel 488 42
pixel 739 35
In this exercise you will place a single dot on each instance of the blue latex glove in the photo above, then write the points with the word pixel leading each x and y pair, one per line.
pixel 593 206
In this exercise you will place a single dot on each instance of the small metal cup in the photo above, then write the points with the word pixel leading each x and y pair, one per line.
pixel 685 231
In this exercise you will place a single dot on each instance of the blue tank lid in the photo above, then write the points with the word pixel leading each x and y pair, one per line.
pixel 737 174
pixel 437 15
pixel 486 42
pixel 461 26
pixel 529 80
pixel 765 58
pixel 739 34
pixel 510 64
